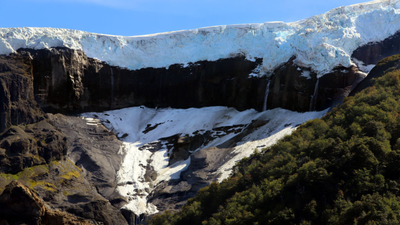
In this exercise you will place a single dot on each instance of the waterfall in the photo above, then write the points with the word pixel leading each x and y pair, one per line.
pixel 139 219
pixel 314 97
pixel 137 222
pixel 266 97
pixel 112 88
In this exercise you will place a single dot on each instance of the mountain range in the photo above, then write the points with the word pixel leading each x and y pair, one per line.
pixel 110 129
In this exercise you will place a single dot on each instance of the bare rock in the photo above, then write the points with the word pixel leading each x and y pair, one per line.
pixel 66 80
pixel 18 200
pixel 20 205
pixel 297 88
pixel 95 149
pixel 384 66
pixel 55 217
pixel 17 103
pixel 373 52
pixel 34 144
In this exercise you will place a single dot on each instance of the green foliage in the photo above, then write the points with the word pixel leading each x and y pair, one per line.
pixel 341 169
pixel 32 176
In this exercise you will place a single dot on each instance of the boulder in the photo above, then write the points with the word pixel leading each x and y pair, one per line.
pixel 21 205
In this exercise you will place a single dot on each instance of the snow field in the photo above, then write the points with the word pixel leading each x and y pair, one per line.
pixel 139 154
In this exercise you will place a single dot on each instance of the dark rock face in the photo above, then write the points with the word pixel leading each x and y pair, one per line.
pixel 20 205
pixel 182 146
pixel 67 80
pixel 58 74
pixel 17 104
pixel 372 53
pixel 384 66
pixel 291 90
pixel 334 86
pixel 36 144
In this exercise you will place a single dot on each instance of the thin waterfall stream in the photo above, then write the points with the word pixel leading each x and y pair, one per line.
pixel 266 96
pixel 314 97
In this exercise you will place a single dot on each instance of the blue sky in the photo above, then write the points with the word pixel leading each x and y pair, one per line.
pixel 136 17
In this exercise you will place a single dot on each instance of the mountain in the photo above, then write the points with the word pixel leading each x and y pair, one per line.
pixel 112 129
pixel 340 169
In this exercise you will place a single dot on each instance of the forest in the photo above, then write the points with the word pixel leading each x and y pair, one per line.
pixel 341 169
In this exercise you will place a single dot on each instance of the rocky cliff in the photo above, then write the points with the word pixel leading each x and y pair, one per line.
pixel 66 80
pixel 17 105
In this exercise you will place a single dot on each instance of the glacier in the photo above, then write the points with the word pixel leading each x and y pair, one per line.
pixel 321 42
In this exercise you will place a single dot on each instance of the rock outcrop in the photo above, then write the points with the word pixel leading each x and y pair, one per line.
pixel 94 148
pixel 34 144
pixel 37 155
pixel 20 205
pixel 17 102
pixel 37 142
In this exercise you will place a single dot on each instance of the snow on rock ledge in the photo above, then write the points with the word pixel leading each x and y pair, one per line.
pixel 320 42
pixel 147 158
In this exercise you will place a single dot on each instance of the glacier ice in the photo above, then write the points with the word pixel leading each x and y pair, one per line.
pixel 321 42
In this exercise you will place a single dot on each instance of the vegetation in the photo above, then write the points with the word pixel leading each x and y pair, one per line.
pixel 341 169
pixel 27 176
pixel 41 176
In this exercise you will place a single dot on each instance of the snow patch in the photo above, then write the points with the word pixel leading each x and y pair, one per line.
pixel 306 74
pixel 141 129
pixel 362 67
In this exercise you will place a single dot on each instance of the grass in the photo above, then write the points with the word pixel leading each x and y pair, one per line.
pixel 27 176
pixel 45 185
pixel 70 175
pixel 31 176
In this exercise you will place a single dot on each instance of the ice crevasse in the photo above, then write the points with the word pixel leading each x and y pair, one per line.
pixel 320 43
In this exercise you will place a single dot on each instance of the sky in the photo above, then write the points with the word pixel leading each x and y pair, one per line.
pixel 140 17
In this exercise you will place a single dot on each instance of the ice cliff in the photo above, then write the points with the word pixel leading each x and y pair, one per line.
pixel 321 42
